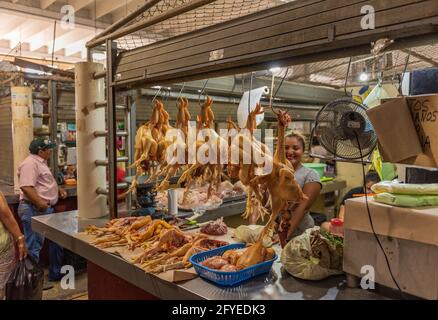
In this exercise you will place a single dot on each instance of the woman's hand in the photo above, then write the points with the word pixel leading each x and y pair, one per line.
pixel 21 246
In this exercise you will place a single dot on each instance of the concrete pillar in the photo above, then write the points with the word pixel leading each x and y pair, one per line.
pixel 89 148
pixel 22 128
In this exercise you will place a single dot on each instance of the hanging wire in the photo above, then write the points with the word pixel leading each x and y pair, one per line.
pixel 346 78
pixel 202 91
pixel 156 95
pixel 179 94
pixel 166 96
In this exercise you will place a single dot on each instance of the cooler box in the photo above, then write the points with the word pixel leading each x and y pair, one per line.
pixel 410 239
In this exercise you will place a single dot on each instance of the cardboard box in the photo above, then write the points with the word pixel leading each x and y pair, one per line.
pixel 395 123
pixel 409 237
pixel 392 122
pixel 424 110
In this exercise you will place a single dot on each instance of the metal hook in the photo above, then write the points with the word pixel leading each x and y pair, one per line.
pixel 167 93
pixel 278 89
pixel 156 95
pixel 202 91
pixel 179 94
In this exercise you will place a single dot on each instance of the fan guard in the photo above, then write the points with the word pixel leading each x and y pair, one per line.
pixel 339 127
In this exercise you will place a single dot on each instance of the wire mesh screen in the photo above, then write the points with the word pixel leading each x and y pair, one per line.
pixel 205 16
pixel 390 65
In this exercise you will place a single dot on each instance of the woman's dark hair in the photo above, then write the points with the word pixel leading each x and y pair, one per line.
pixel 299 137
pixel 372 176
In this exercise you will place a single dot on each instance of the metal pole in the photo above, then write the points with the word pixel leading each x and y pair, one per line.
pixel 147 23
pixel 53 124
pixel 146 6
pixel 112 129
pixel 128 143
pixel 132 134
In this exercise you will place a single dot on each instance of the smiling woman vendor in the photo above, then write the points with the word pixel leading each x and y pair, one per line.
pixel 297 219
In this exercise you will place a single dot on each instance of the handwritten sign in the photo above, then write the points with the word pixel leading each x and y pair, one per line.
pixel 424 111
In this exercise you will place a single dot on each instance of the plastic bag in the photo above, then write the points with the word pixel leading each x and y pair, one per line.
pixel 311 256
pixel 250 234
pixel 399 188
pixel 407 200
pixel 26 281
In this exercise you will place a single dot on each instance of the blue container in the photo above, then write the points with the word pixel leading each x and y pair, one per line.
pixel 228 278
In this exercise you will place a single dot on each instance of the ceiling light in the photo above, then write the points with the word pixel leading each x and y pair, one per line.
pixel 364 76
pixel 274 69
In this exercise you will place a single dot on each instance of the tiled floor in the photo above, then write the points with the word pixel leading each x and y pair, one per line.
pixel 78 293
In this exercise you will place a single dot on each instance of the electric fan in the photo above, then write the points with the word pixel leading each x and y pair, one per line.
pixel 344 130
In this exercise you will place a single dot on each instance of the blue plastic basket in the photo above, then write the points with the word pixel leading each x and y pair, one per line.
pixel 228 278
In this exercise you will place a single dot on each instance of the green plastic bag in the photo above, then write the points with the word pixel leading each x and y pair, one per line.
pixel 406 200
pixel 408 188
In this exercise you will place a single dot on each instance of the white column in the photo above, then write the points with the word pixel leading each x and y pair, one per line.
pixel 22 128
pixel 88 147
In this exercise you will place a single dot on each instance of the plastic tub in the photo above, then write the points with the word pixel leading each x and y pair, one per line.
pixel 318 167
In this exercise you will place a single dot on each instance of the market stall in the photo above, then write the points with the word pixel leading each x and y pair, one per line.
pixel 330 29
pixel 136 284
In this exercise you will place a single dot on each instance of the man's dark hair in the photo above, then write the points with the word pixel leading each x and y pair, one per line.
pixel 372 176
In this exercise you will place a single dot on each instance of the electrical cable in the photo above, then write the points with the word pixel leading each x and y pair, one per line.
pixel 371 220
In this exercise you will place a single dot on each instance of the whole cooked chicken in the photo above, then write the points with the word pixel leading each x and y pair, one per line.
pixel 255 254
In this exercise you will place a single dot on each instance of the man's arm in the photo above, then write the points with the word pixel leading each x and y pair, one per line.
pixel 33 197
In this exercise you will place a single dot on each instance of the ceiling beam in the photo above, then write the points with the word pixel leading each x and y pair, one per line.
pixel 9 23
pixel 107 6
pixel 78 46
pixel 69 38
pixel 36 66
pixel 79 4
pixel 26 30
pixel 19 10
pixel 44 37
pixel 34 54
pixel 44 4
pixel 61 65
pixel 133 5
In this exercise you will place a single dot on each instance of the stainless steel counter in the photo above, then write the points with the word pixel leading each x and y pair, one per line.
pixel 63 227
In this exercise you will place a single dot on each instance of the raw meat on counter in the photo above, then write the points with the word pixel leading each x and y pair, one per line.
pixel 215 228
pixel 163 245
pixel 192 199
